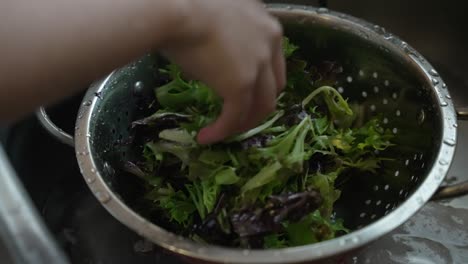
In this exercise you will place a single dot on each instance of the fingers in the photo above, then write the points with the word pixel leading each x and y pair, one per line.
pixel 279 68
pixel 264 98
pixel 231 118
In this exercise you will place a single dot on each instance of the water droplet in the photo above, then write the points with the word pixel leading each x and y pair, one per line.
pixel 376 89
pixel 322 10
pixel 450 142
pixel 395 130
pixel 385 120
pixel 397 173
pixel 420 201
pixel 361 73
pixel 455 125
pixel 375 75
pixel 364 94
pixel 444 85
pixel 394 96
pixel 355 240
pixel 362 215
pixel 349 79
pixel 448 96
pixel 368 202
pixel 138 87
pixel 103 197
pixel 435 81
pixel 372 107
pixel 421 117
pixel 379 29
pixel 340 89
pixel 386 187
pixel 434 73
pixel 90 180
pixel 87 103
pixel 388 36
pixel 385 101
pixel 93 170
pixel 398 113
pixel 443 162
pixel 443 103
pixel 108 169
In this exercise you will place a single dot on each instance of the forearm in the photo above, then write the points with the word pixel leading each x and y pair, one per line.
pixel 51 48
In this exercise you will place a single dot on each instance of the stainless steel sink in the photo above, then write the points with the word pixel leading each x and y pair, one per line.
pixel 88 234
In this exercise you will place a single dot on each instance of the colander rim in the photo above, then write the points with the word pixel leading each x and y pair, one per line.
pixel 311 252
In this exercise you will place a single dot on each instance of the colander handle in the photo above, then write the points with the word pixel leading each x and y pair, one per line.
pixel 462 113
pixel 451 191
pixel 53 129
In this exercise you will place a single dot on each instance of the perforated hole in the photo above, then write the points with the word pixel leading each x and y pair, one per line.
pixel 113 131
pixel 395 130
pixel 386 82
pixel 423 165
pixel 373 216
pixel 118 119
pixel 401 192
pixel 126 113
pixel 364 94
pixel 415 156
pixel 375 75
pixel 385 101
pixel 349 79
pixel 386 187
pixel 361 73
pixel 362 215
pixel 378 202
pixel 407 162
pixel 397 173
pixel 340 89
pixel 421 156
pixel 367 202
pixel 387 206
pixel 373 108
pixel 394 96
pixel 376 188
pixel 376 89
pixel 398 113
pixel 412 178
pixel 385 120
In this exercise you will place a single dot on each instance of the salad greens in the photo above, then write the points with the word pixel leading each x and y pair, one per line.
pixel 270 187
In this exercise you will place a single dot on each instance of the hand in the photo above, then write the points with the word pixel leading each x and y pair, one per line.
pixel 234 46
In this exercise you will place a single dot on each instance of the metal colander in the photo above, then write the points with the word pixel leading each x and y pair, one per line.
pixel 384 75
